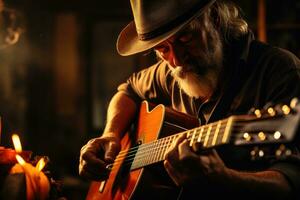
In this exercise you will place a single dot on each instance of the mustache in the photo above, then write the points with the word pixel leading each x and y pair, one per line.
pixel 196 67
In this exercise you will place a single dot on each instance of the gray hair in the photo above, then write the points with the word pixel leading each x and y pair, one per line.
pixel 226 17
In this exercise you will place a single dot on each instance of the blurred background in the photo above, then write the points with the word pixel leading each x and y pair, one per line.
pixel 59 69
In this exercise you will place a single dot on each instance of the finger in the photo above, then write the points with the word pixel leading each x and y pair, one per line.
pixel 173 173
pixel 180 138
pixel 94 175
pixel 172 152
pixel 185 152
pixel 90 161
pixel 197 147
pixel 111 151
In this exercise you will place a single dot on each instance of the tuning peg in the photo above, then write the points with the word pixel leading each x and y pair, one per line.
pixel 257 113
pixel 283 151
pixel 257 153
pixel 277 135
pixel 286 109
pixel 247 136
pixel 262 136
pixel 294 102
pixel 271 111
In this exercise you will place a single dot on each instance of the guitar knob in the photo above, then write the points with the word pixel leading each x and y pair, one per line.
pixel 294 103
pixel 247 137
pixel 262 136
pixel 257 153
pixel 271 111
pixel 257 113
pixel 283 151
pixel 277 135
pixel 286 109
pixel 261 153
pixel 278 152
pixel 253 153
pixel 288 152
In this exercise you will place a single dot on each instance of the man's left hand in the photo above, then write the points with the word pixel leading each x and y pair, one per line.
pixel 184 165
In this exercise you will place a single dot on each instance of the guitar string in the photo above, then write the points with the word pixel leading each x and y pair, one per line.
pixel 146 150
pixel 146 145
pixel 158 143
pixel 128 162
pixel 197 128
pixel 132 150
pixel 162 146
pixel 126 151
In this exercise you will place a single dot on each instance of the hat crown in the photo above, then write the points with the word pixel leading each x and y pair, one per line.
pixel 155 21
pixel 150 15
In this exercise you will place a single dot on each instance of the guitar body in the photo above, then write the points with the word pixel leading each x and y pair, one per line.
pixel 151 182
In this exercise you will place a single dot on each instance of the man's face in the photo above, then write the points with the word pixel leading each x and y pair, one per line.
pixel 195 56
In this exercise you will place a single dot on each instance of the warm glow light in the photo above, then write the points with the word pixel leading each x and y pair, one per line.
pixel 17 143
pixel 257 113
pixel 20 160
pixel 40 165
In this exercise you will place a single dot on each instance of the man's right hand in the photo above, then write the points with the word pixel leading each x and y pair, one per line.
pixel 96 155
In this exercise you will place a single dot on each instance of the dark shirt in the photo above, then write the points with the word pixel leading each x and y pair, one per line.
pixel 255 74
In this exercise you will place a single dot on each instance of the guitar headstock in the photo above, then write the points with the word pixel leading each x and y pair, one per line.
pixel 274 125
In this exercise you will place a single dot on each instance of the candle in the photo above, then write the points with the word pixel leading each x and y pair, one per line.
pixel 37 183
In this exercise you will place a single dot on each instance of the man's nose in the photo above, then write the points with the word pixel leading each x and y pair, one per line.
pixel 176 56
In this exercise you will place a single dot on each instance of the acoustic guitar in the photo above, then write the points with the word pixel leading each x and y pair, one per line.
pixel 136 172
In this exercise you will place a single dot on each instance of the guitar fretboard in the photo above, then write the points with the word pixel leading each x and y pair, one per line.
pixel 209 135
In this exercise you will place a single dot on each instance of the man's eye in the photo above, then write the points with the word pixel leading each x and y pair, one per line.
pixel 186 38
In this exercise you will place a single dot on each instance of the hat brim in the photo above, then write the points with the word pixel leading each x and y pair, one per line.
pixel 128 42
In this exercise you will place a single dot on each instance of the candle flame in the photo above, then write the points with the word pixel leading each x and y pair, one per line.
pixel 20 160
pixel 17 143
pixel 40 165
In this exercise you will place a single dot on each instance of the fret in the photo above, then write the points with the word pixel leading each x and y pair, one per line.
pixel 227 130
pixel 136 161
pixel 200 134
pixel 188 134
pixel 207 136
pixel 164 148
pixel 216 133
pixel 161 147
pixel 193 137
pixel 156 150
pixel 149 153
pixel 140 156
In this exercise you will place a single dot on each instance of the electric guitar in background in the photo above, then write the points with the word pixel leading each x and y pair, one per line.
pixel 130 176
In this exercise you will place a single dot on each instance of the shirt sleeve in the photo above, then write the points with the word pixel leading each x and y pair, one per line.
pixel 150 84
pixel 290 168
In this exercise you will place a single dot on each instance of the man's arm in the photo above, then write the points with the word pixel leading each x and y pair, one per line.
pixel 185 166
pixel 101 151
pixel 120 113
pixel 271 184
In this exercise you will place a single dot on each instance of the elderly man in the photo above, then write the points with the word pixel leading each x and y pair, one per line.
pixel 210 66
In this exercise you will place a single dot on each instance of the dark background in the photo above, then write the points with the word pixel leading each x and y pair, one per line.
pixel 56 82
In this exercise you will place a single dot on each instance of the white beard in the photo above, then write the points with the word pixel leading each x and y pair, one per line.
pixel 193 85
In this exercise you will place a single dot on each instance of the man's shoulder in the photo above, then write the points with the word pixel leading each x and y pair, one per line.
pixel 264 51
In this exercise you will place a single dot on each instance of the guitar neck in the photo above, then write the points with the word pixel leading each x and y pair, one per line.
pixel 209 135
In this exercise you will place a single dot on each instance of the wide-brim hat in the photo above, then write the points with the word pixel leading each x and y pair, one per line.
pixel 156 21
